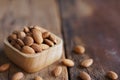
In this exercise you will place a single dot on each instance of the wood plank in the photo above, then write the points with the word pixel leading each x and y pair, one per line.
pixel 95 25
pixel 17 13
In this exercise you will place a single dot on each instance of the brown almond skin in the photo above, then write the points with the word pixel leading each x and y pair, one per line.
pixel 37 35
pixel 26 29
pixel 21 35
pixel 53 38
pixel 57 71
pixel 38 28
pixel 36 47
pixel 4 67
pixel 45 35
pixel 12 37
pixel 28 41
pixel 38 78
pixel 17 46
pixel 86 63
pixel 79 49
pixel 44 46
pixel 20 42
pixel 112 75
pixel 27 50
pixel 17 76
pixel 48 42
pixel 68 62
pixel 85 76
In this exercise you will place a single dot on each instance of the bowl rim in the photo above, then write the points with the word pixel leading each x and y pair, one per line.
pixel 60 41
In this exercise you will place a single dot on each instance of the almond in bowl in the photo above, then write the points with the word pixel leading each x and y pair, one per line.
pixel 35 51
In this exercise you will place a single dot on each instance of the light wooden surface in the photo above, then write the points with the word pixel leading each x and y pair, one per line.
pixel 17 13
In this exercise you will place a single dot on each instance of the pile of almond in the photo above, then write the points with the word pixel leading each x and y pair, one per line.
pixel 32 40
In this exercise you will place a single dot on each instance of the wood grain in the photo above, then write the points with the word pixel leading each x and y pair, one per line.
pixel 95 25
pixel 14 14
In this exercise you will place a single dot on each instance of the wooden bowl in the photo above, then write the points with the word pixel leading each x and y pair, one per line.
pixel 34 62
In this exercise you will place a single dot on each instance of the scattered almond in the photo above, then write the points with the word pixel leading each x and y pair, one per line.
pixel 26 29
pixel 18 76
pixel 112 75
pixel 48 42
pixel 44 46
pixel 85 76
pixel 20 42
pixel 79 49
pixel 86 62
pixel 57 71
pixel 53 38
pixel 38 78
pixel 68 62
pixel 28 50
pixel 45 35
pixel 37 35
pixel 21 35
pixel 4 67
pixel 28 40
pixel 36 47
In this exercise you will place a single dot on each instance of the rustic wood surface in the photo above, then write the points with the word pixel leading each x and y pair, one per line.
pixel 91 23
pixel 94 24
pixel 17 13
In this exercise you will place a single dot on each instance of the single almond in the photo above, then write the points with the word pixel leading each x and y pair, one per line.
pixel 36 47
pixel 68 62
pixel 53 38
pixel 20 42
pixel 40 29
pixel 57 71
pixel 48 42
pixel 37 35
pixel 17 46
pixel 26 29
pixel 79 49
pixel 44 46
pixel 86 62
pixel 38 78
pixel 112 75
pixel 4 67
pixel 21 35
pixel 13 42
pixel 28 50
pixel 28 40
pixel 12 37
pixel 18 76
pixel 45 35
pixel 85 76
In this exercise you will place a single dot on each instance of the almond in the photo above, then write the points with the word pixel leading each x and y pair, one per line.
pixel 12 37
pixel 112 75
pixel 57 71
pixel 79 49
pixel 45 35
pixel 86 62
pixel 44 46
pixel 20 42
pixel 36 47
pixel 28 50
pixel 53 38
pixel 85 76
pixel 17 76
pixel 21 35
pixel 48 42
pixel 17 46
pixel 38 78
pixel 38 28
pixel 28 40
pixel 4 67
pixel 26 29
pixel 37 35
pixel 68 62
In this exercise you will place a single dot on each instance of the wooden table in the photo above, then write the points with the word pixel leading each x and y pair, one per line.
pixel 94 24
